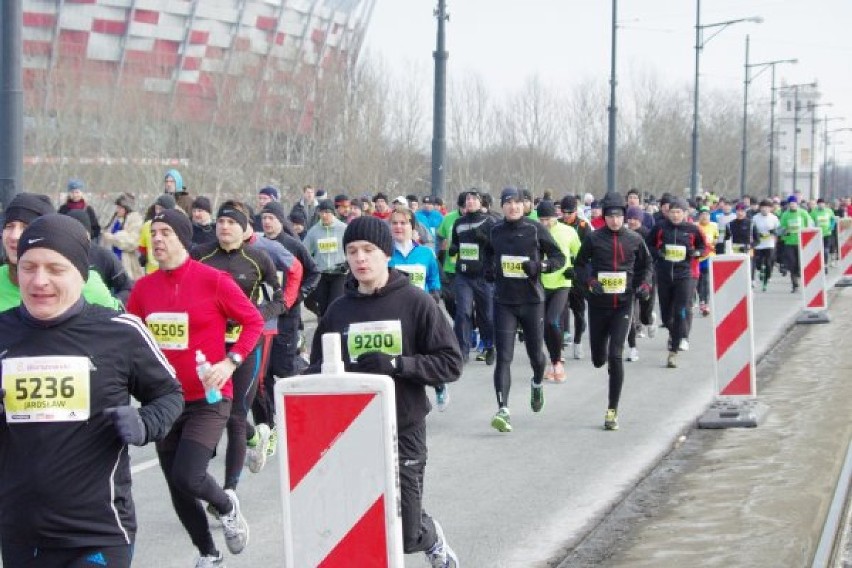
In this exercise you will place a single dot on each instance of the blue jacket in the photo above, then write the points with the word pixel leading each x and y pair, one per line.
pixel 423 256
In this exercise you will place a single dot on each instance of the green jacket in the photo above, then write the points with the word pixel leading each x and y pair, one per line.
pixel 445 233
pixel 94 291
pixel 791 223
pixel 569 243
pixel 824 219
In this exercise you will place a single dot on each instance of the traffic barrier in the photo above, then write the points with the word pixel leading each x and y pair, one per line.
pixel 733 345
pixel 844 236
pixel 339 467
pixel 812 272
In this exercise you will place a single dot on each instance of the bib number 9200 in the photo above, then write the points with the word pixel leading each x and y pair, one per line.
pixel 37 388
pixel 374 341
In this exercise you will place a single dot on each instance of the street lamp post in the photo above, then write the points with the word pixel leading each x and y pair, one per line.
pixel 825 143
pixel 439 115
pixel 11 101
pixel 812 108
pixel 700 42
pixel 748 79
pixel 610 164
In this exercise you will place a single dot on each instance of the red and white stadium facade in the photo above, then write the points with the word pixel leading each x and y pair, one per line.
pixel 193 54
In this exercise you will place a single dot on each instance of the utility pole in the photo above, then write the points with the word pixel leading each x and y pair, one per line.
pixel 11 101
pixel 744 167
pixel 439 115
pixel 610 164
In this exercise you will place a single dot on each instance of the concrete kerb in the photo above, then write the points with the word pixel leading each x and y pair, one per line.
pixel 788 324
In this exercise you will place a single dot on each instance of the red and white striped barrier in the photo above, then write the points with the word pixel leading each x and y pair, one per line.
pixel 812 271
pixel 339 467
pixel 736 403
pixel 844 236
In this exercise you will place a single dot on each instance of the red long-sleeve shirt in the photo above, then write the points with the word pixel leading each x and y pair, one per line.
pixel 209 298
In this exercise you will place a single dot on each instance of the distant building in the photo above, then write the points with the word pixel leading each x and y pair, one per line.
pixel 191 58
pixel 800 139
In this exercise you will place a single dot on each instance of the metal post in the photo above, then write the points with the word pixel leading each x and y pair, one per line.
pixel 772 135
pixel 744 167
pixel 795 136
pixel 693 179
pixel 11 101
pixel 610 165
pixel 439 139
pixel 813 148
pixel 824 176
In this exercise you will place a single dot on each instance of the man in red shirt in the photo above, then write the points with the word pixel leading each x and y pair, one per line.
pixel 187 305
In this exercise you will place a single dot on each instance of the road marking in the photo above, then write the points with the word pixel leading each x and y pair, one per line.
pixel 143 466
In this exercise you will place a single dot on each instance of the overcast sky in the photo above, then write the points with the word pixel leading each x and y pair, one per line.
pixel 566 42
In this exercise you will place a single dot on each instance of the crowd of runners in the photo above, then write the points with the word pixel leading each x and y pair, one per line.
pixel 197 311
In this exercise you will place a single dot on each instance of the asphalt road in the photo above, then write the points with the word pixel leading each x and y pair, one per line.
pixel 507 500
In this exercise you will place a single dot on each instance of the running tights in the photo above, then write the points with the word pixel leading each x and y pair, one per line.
pixel 608 328
pixel 245 380
pixel 555 302
pixel 507 318
pixel 675 307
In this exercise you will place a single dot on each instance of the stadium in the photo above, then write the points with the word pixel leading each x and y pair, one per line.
pixel 192 60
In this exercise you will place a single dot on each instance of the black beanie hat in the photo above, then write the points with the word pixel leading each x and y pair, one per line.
pixel 59 233
pixel 203 203
pixel 227 210
pixel 82 217
pixel 613 201
pixel 370 229
pixel 276 209
pixel 27 207
pixel 179 223
pixel 546 209
pixel 568 204
pixel 166 201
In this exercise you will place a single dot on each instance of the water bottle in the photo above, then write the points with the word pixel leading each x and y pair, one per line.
pixel 213 394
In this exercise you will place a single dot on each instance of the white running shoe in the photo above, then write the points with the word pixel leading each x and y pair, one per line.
pixel 634 354
pixel 211 561
pixel 441 555
pixel 256 455
pixel 578 351
pixel 684 344
pixel 234 525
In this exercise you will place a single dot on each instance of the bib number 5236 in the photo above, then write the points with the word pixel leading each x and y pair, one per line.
pixel 34 388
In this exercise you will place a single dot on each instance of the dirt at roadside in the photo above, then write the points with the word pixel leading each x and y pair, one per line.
pixel 746 497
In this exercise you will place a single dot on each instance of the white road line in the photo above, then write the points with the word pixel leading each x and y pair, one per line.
pixel 143 466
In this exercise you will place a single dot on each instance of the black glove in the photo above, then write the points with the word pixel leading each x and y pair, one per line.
pixel 453 250
pixel 128 424
pixel 532 268
pixel 643 292
pixel 377 364
pixel 442 255
pixel 595 287
pixel 2 396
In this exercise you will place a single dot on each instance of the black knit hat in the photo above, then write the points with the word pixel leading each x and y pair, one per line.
pixel 202 203
pixel 82 217
pixel 370 229
pixel 127 200
pixel 568 204
pixel 179 223
pixel 59 233
pixel 613 201
pixel 231 212
pixel 166 201
pixel 269 191
pixel 325 205
pixel 275 208
pixel 679 203
pixel 510 194
pixel 27 207
pixel 546 209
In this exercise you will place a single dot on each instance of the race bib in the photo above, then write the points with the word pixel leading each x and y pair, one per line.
pixel 170 329
pixel 738 248
pixel 46 389
pixel 374 337
pixel 513 266
pixel 793 226
pixel 328 245
pixel 416 274
pixel 765 237
pixel 613 282
pixel 469 251
pixel 232 332
pixel 674 253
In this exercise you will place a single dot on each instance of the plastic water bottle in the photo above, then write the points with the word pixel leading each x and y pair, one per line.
pixel 213 394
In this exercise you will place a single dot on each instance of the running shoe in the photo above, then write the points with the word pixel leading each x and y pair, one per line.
pixel 684 344
pixel 480 356
pixel 256 454
pixel 611 419
pixel 652 327
pixel 501 421
pixel 441 555
pixel 633 355
pixel 536 396
pixel 490 355
pixel 214 512
pixel 558 372
pixel 640 331
pixel 578 351
pixel 671 362
pixel 442 398
pixel 764 287
pixel 566 338
pixel 705 309
pixel 273 444
pixel 234 525
pixel 548 373
pixel 211 561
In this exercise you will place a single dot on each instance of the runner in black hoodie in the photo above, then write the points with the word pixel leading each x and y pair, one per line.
pixel 421 351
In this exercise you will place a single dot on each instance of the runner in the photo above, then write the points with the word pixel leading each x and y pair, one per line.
pixel 324 242
pixel 643 311
pixel 710 231
pixel 613 266
pixel 190 334
pixel 557 287
pixel 824 218
pixel 790 223
pixel 766 226
pixel 519 251
pixel 742 233
pixel 576 299
pixel 253 271
pixel 675 244
pixel 423 353
pixel 65 474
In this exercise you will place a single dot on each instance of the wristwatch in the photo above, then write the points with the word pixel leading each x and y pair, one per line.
pixel 235 358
